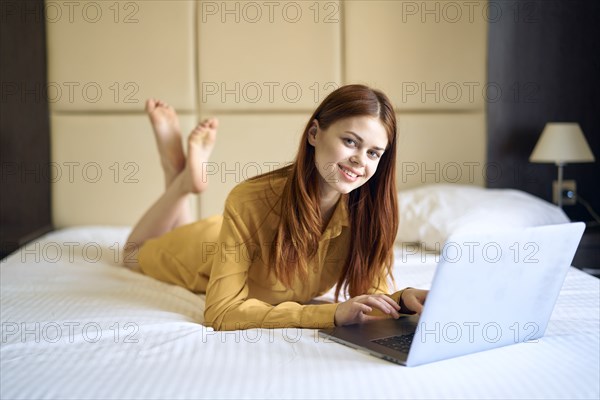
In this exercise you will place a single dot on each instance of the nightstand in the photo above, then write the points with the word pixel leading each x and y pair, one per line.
pixel 587 257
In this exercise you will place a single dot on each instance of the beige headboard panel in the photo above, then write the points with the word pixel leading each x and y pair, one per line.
pixel 261 68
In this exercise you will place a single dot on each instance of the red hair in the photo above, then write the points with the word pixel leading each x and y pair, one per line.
pixel 373 207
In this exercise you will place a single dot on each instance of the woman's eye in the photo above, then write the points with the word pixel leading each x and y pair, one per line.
pixel 374 154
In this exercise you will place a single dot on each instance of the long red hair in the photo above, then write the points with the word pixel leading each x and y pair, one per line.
pixel 373 207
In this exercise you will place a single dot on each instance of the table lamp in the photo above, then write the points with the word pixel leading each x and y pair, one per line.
pixel 561 143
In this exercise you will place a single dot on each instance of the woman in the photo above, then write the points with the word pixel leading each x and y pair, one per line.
pixel 289 235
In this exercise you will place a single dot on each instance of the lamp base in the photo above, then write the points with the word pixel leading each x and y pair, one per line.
pixel 568 191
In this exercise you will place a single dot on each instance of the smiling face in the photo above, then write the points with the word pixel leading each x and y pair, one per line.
pixel 347 153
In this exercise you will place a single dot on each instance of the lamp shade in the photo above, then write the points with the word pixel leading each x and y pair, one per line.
pixel 562 143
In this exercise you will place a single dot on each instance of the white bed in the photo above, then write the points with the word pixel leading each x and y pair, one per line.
pixel 77 325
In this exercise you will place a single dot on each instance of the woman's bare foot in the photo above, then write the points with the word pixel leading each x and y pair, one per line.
pixel 200 145
pixel 168 137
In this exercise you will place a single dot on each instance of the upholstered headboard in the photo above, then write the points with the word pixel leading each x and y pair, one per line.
pixel 261 68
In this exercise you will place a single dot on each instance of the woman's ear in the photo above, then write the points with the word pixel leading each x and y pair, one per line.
pixel 312 132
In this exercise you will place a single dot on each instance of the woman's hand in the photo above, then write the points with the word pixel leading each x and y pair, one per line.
pixel 355 310
pixel 413 299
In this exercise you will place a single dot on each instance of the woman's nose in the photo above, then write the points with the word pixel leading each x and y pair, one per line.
pixel 356 159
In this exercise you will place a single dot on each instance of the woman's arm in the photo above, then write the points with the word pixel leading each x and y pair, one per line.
pixel 227 304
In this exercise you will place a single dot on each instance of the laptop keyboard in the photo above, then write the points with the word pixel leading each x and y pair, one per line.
pixel 399 343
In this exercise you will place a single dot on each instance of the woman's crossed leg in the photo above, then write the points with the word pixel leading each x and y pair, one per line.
pixel 182 176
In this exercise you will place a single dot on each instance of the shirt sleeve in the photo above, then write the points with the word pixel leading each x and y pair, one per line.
pixel 227 304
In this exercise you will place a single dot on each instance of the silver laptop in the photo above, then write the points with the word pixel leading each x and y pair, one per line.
pixel 489 290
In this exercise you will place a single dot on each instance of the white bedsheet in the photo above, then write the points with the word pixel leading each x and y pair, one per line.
pixel 76 325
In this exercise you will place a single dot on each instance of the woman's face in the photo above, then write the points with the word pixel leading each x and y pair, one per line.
pixel 348 152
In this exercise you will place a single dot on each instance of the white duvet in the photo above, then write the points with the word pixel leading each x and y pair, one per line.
pixel 76 325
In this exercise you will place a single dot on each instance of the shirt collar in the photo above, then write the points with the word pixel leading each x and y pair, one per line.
pixel 339 218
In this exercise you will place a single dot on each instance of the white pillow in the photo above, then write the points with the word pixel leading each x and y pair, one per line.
pixel 430 214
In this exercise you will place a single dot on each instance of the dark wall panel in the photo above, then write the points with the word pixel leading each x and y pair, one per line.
pixel 545 57
pixel 24 123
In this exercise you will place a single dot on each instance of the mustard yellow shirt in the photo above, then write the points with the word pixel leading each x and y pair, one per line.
pixel 226 257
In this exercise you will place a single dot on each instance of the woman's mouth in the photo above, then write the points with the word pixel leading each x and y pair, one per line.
pixel 347 174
